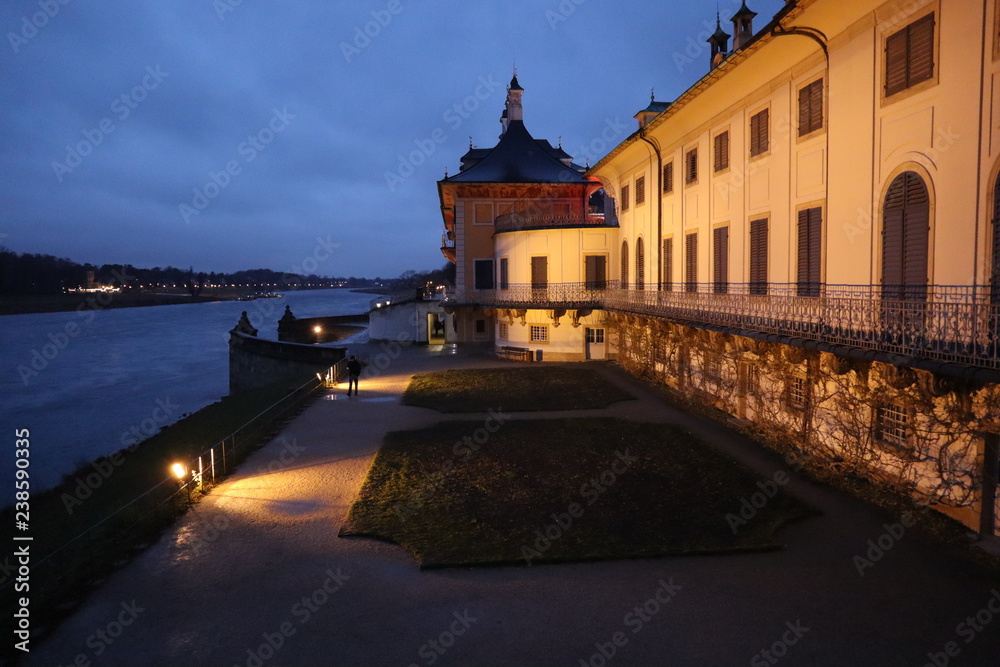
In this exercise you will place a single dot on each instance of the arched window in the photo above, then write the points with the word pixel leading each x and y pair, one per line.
pixel 640 264
pixel 905 238
pixel 624 260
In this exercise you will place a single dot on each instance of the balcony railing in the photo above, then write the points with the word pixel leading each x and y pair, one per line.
pixel 956 324
pixel 520 221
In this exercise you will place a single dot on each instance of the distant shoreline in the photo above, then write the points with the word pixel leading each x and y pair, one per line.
pixel 56 303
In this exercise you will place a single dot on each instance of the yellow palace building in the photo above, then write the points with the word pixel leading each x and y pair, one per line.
pixel 808 239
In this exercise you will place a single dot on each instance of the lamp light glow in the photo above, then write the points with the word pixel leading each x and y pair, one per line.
pixel 178 470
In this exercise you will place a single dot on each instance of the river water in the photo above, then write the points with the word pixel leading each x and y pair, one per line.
pixel 86 383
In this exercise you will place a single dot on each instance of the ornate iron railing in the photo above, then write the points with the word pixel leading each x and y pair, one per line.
pixel 959 324
pixel 519 220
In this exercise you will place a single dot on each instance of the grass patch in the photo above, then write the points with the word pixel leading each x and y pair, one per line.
pixel 641 490
pixel 513 390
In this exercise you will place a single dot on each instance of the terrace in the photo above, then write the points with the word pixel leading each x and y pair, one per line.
pixel 950 324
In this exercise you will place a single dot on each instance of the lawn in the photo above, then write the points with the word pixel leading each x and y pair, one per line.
pixel 517 389
pixel 559 490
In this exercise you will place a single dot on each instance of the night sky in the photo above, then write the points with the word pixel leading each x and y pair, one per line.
pixel 229 134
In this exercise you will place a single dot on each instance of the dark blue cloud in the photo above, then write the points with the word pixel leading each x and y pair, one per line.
pixel 162 97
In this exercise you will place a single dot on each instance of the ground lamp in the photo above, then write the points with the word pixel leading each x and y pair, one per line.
pixel 180 472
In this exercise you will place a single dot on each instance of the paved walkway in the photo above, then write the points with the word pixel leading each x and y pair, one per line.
pixel 256 575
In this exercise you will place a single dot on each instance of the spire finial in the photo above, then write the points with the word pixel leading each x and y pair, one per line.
pixel 652 94
pixel 470 142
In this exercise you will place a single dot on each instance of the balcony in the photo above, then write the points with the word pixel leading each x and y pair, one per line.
pixel 448 246
pixel 524 221
pixel 955 324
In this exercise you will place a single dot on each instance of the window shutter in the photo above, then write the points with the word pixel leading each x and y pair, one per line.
pixel 811 108
pixel 624 265
pixel 691 166
pixel 720 259
pixel 803 111
pixel 625 194
pixel 640 190
pixel 596 269
pixel 920 61
pixel 691 262
pixel 909 56
pixel 758 256
pixel 668 177
pixel 916 233
pixel 668 263
pixel 722 151
pixel 504 281
pixel 640 264
pixel 539 272
pixel 816 105
pixel 809 247
pixel 759 133
pixel 895 63
pixel 905 238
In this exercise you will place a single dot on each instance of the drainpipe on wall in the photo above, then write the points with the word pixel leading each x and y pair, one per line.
pixel 820 38
pixel 659 209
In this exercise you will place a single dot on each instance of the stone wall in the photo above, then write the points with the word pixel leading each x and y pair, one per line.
pixel 254 362
pixel 919 432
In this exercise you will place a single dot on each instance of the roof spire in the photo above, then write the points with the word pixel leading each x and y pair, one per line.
pixel 470 142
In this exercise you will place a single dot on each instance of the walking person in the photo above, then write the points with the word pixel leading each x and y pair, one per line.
pixel 353 373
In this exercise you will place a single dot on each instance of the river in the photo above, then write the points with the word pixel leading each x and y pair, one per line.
pixel 85 383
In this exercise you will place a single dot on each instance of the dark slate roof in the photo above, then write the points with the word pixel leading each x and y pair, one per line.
pixel 519 158
pixel 744 11
pixel 720 35
pixel 655 107
pixel 514 85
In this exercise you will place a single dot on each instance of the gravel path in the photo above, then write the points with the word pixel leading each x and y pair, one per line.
pixel 256 575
